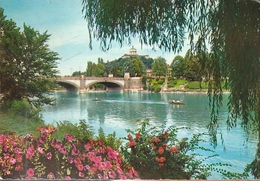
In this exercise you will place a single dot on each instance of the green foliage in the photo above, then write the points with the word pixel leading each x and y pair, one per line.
pixel 159 67
pixel 21 118
pixel 81 131
pixel 77 74
pixel 197 85
pixel 98 86
pixel 178 66
pixel 27 64
pixel 158 154
pixel 155 85
pixel 109 140
pixel 134 66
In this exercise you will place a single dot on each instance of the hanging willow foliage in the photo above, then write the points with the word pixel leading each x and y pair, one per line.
pixel 227 30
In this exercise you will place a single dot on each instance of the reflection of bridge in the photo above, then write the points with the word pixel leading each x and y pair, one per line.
pixel 113 84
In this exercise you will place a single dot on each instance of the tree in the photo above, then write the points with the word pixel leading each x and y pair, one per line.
pixel 135 67
pixel 159 67
pixel 178 66
pixel 89 69
pixel 76 74
pixel 28 66
pixel 117 71
pixel 229 28
pixel 98 70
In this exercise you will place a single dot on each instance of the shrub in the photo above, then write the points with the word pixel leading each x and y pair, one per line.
pixel 160 81
pixel 24 109
pixel 157 88
pixel 81 131
pixel 158 154
pixel 109 140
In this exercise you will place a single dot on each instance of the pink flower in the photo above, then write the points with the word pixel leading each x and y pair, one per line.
pixel 75 152
pixel 100 143
pixel 87 167
pixel 81 174
pixel 18 168
pixel 99 176
pixel 70 159
pixel 67 178
pixel 63 151
pixel 68 137
pixel 40 150
pixel 122 177
pixel 80 167
pixel 6 156
pixel 12 161
pixel 91 156
pixel 30 152
pixel 119 171
pixel 88 146
pixel 17 150
pixel 30 172
pixel 112 154
pixel 58 144
pixel 112 174
pixel 102 150
pixel 48 155
pixel 50 176
pixel 18 157
pixel 98 159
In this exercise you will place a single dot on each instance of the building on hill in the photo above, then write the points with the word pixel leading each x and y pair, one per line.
pixel 133 53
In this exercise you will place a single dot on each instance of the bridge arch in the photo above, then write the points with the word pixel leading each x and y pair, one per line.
pixel 69 86
pixel 112 86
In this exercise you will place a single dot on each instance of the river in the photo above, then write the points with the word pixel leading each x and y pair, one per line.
pixel 119 111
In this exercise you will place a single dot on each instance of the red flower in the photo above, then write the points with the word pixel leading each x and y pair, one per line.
pixel 132 143
pixel 160 150
pixel 130 137
pixel 173 149
pixel 137 136
pixel 161 164
pixel 30 172
pixel 38 128
pixel 160 160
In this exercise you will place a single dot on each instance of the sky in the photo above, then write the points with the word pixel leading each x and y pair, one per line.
pixel 63 19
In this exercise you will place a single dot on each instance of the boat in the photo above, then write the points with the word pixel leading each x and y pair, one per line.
pixel 96 99
pixel 177 102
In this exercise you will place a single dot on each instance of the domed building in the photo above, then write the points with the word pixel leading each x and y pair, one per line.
pixel 133 53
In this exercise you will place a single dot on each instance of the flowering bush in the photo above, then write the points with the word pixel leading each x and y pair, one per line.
pixel 157 154
pixel 46 157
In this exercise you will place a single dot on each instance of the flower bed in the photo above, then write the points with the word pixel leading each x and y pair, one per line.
pixel 44 157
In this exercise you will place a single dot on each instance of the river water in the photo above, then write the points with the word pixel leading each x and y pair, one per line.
pixel 119 111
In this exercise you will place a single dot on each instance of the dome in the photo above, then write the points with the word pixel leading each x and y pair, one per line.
pixel 132 51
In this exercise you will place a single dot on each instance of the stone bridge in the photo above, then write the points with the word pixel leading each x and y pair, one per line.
pixel 113 84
